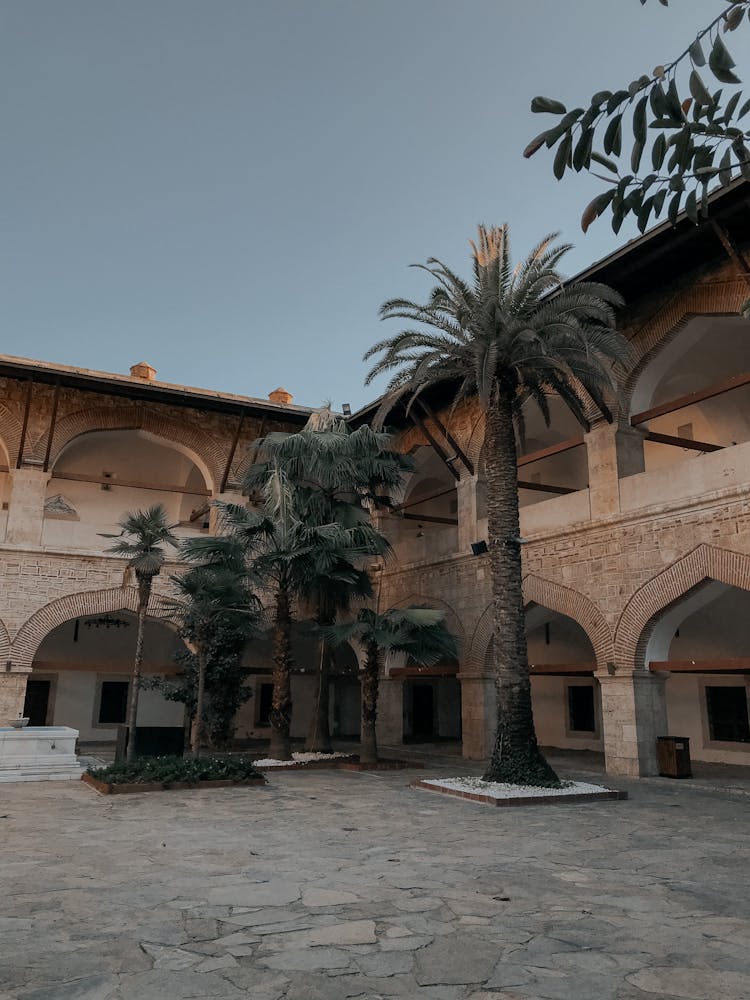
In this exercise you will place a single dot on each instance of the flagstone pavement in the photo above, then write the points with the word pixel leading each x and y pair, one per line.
pixel 336 885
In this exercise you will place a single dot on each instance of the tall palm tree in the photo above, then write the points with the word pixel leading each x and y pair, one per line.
pixel 508 336
pixel 339 475
pixel 143 535
pixel 418 632
pixel 214 594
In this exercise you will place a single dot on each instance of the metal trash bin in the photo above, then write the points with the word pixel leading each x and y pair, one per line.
pixel 673 755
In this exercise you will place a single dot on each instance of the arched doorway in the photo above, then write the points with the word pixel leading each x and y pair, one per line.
pixel 702 644
pixel 81 675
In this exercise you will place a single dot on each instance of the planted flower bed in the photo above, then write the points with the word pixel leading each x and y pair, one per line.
pixel 156 774
pixel 495 793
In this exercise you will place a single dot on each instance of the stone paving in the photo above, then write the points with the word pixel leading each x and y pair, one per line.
pixel 335 885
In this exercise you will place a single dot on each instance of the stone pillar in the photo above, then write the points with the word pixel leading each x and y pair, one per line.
pixel 613 453
pixel 229 496
pixel 633 715
pixel 12 694
pixel 478 715
pixel 466 493
pixel 390 724
pixel 26 508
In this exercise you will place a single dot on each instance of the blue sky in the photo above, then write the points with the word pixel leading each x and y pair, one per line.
pixel 228 189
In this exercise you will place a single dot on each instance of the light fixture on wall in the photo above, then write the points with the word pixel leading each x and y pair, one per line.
pixel 106 621
pixel 478 548
pixel 420 533
pixel 346 409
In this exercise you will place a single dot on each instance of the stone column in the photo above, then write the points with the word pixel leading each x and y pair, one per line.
pixel 229 496
pixel 633 715
pixel 613 453
pixel 12 694
pixel 26 506
pixel 466 493
pixel 390 724
pixel 478 715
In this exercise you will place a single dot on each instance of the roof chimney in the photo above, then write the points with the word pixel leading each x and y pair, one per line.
pixel 143 370
pixel 280 396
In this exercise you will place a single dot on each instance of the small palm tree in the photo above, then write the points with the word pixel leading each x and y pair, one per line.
pixel 418 632
pixel 143 535
pixel 509 336
pixel 338 475
pixel 214 594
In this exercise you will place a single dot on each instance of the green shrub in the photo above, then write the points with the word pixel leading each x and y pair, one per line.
pixel 168 770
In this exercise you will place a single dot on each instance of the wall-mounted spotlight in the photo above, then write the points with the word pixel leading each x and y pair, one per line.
pixel 346 409
pixel 478 548
pixel 420 533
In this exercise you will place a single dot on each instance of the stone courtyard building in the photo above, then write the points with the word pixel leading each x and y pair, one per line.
pixel 637 531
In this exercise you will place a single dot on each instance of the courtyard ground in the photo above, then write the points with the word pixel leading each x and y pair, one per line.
pixel 335 885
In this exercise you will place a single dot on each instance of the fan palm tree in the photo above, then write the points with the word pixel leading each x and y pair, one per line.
pixel 338 476
pixel 418 632
pixel 143 535
pixel 508 336
pixel 214 594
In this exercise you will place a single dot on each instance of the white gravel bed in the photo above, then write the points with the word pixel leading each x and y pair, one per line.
pixel 297 758
pixel 504 790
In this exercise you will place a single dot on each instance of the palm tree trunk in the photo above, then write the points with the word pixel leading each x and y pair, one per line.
pixel 144 594
pixel 319 736
pixel 368 753
pixel 516 756
pixel 280 715
pixel 198 725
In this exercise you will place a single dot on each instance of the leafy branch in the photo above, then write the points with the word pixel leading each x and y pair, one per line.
pixel 688 131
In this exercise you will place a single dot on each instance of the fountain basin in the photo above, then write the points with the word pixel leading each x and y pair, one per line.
pixel 39 753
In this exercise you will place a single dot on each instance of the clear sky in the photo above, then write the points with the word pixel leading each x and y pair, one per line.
pixel 228 189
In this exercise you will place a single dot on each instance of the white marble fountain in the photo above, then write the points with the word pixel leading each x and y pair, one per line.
pixel 38 753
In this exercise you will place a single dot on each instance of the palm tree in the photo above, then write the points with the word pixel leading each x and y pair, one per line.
pixel 338 476
pixel 418 632
pixel 214 594
pixel 509 336
pixel 143 535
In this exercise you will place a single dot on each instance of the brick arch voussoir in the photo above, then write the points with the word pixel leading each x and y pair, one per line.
pixel 191 437
pixel 720 300
pixel 91 602
pixel 10 433
pixel 651 601
pixel 554 597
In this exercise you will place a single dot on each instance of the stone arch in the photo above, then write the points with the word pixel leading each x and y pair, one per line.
pixel 4 645
pixel 451 616
pixel 200 447
pixel 554 597
pixel 10 434
pixel 644 609
pixel 90 602
pixel 718 299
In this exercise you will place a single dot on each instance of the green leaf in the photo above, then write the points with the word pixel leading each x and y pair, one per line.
pixel 744 109
pixel 595 208
pixel 698 89
pixel 659 151
pixel 691 208
pixel 674 103
pixel 643 213
pixel 658 101
pixel 721 62
pixel 616 100
pixel 725 167
pixel 562 156
pixel 541 105
pixel 659 201
pixel 639 121
pixel 582 151
pixel 733 17
pixel 674 208
pixel 696 53
pixel 604 162
pixel 600 97
pixel 635 156
pixel 731 105
pixel 535 144
pixel 613 136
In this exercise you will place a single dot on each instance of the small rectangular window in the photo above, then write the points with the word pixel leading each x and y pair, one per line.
pixel 685 431
pixel 581 713
pixel 113 703
pixel 727 714
pixel 264 704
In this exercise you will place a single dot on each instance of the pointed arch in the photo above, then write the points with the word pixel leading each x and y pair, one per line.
pixel 10 434
pixel 200 447
pixel 81 605
pixel 452 620
pixel 554 597
pixel 644 609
